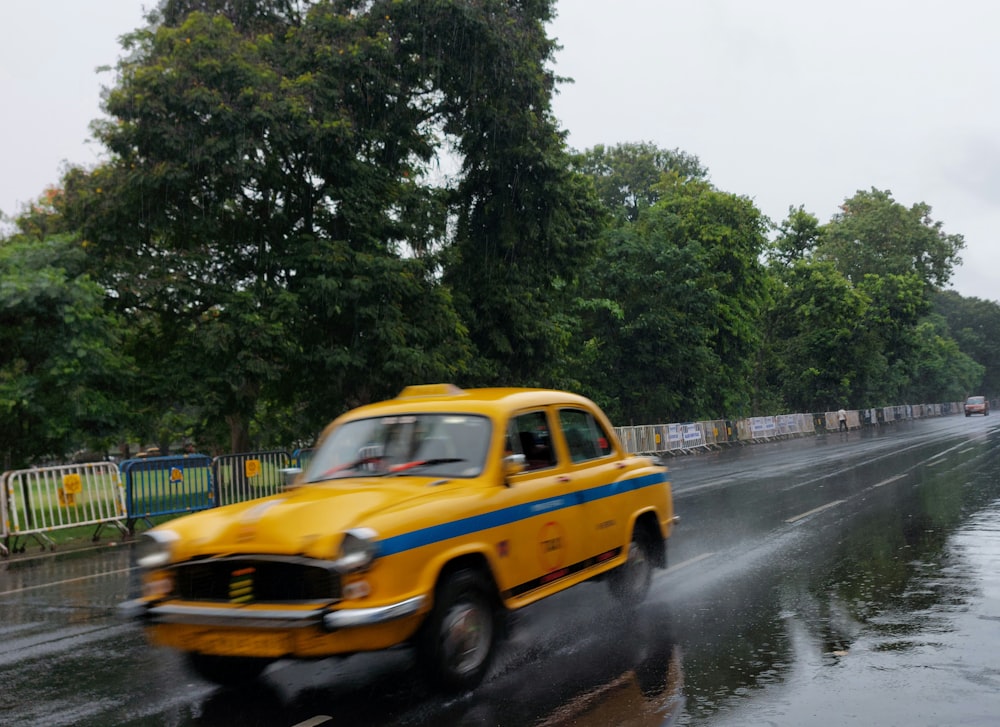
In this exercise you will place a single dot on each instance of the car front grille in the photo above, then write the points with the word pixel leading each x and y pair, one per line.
pixel 256 580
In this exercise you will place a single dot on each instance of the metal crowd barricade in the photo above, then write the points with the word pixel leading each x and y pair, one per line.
pixel 44 499
pixel 808 424
pixel 636 440
pixel 762 428
pixel 172 485
pixel 674 438
pixel 719 431
pixel 693 435
pixel 248 476
pixel 626 437
pixel 302 457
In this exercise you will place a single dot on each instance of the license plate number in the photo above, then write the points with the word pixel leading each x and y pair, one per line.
pixel 242 643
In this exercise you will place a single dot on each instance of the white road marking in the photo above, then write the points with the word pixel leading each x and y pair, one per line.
pixel 707 485
pixel 886 482
pixel 814 511
pixel 68 580
pixel 315 721
pixel 688 562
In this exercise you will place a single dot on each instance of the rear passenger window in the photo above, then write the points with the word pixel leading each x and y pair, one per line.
pixel 585 437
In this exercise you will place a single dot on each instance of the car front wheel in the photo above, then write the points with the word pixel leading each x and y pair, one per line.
pixel 227 671
pixel 630 581
pixel 456 643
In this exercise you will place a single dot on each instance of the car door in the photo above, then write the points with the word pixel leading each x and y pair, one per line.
pixel 594 471
pixel 547 531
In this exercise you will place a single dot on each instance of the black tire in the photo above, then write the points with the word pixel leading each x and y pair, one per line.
pixel 630 581
pixel 227 671
pixel 457 642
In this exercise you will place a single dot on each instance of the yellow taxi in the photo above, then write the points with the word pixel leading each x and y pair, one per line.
pixel 421 520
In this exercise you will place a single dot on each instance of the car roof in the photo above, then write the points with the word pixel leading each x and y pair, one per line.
pixel 450 398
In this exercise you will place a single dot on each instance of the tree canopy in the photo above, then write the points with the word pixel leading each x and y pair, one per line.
pixel 308 204
pixel 62 374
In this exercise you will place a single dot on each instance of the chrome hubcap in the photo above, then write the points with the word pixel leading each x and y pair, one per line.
pixel 466 632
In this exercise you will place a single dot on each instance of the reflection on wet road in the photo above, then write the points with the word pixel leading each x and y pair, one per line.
pixel 843 579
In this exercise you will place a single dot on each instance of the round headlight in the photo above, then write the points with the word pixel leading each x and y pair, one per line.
pixel 358 550
pixel 154 548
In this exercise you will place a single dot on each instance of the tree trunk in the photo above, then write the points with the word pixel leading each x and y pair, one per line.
pixel 239 434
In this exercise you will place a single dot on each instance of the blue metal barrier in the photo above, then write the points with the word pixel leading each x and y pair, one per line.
pixel 173 485
pixel 301 457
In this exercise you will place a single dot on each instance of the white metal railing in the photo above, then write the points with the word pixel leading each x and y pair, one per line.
pixel 40 500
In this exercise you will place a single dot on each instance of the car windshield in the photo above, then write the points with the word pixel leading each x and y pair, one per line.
pixel 976 400
pixel 446 445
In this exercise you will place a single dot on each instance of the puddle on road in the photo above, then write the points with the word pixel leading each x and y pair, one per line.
pixel 894 621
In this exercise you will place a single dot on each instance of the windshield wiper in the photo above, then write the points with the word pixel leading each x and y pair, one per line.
pixel 360 462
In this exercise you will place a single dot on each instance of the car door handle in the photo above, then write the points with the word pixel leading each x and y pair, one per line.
pixel 563 479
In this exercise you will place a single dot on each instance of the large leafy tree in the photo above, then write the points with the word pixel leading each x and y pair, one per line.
pixel 848 323
pixel 645 343
pixel 817 337
pixel 731 232
pixel 523 221
pixel 271 216
pixel 672 307
pixel 627 176
pixel 797 238
pixel 62 371
pixel 260 213
pixel 873 234
pixel 943 372
pixel 974 323
pixel 898 256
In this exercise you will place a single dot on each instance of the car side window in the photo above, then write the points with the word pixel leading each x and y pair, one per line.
pixel 529 434
pixel 585 437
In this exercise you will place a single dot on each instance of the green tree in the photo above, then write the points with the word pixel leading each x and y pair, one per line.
pixel 261 210
pixel 875 235
pixel 943 372
pixel 797 237
pixel 523 222
pixel 672 307
pixel 974 323
pixel 627 176
pixel 898 304
pixel 646 343
pixel 869 352
pixel 817 337
pixel 62 373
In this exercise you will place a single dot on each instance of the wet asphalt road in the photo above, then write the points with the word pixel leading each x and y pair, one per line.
pixel 843 579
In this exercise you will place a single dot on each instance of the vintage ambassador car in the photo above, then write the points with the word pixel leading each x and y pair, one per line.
pixel 421 520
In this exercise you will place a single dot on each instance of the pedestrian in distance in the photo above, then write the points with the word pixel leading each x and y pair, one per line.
pixel 842 418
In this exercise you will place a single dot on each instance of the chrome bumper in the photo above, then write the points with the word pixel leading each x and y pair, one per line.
pixel 244 617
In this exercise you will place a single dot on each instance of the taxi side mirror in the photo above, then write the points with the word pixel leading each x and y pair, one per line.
pixel 513 464
pixel 289 475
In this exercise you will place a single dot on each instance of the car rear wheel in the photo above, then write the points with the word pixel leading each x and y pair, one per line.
pixel 630 581
pixel 456 643
pixel 227 671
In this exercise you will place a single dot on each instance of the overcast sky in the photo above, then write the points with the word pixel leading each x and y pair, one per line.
pixel 786 102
